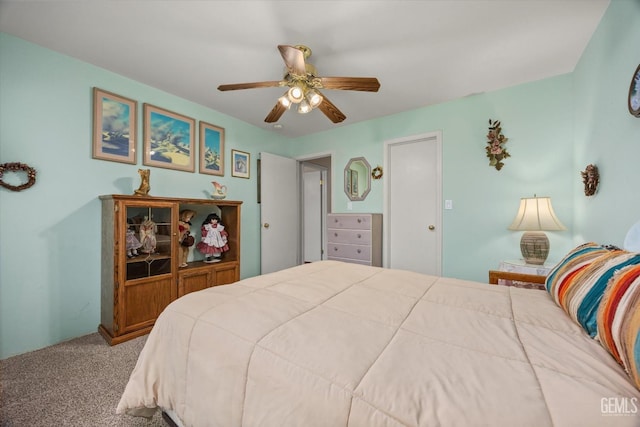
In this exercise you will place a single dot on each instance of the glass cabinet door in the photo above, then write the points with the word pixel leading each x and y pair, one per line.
pixel 148 241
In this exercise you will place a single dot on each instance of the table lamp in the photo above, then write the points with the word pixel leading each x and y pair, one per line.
pixel 534 217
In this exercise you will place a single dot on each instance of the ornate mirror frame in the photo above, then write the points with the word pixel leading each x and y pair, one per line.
pixel 357 179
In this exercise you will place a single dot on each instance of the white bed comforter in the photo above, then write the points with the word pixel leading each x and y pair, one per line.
pixel 336 344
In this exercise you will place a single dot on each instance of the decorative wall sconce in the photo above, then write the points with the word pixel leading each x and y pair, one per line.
pixel 591 179
pixel 496 152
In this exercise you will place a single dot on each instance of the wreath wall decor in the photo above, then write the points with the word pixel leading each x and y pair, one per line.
pixel 496 152
pixel 377 173
pixel 18 167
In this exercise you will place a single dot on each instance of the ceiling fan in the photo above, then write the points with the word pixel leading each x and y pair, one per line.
pixel 303 84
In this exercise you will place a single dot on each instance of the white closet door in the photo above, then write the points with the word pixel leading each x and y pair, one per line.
pixel 413 204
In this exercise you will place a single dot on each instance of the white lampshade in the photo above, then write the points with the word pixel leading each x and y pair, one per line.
pixel 535 216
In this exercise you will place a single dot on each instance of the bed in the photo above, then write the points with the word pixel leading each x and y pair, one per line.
pixel 337 344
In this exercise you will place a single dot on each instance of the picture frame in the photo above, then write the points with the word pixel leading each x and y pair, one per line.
pixel 114 127
pixel 240 164
pixel 168 139
pixel 633 101
pixel 211 149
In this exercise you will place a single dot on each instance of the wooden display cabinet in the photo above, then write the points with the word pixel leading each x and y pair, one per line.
pixel 136 288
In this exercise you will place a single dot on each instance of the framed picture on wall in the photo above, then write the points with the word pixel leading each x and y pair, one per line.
pixel 114 127
pixel 634 93
pixel 211 149
pixel 168 139
pixel 241 164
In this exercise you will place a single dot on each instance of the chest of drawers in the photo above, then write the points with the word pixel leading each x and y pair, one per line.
pixel 355 238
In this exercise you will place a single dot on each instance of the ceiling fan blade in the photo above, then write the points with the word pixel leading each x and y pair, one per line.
pixel 367 84
pixel 236 86
pixel 331 111
pixel 293 59
pixel 275 113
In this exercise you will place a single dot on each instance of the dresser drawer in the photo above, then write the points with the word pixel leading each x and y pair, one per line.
pixel 361 222
pixel 354 237
pixel 338 250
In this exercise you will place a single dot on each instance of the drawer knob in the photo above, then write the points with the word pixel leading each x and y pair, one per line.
pixel 359 250
pixel 335 249
pixel 359 236
pixel 359 220
pixel 335 234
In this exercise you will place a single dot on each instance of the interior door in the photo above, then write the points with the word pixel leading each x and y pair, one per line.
pixel 312 215
pixel 413 220
pixel 279 218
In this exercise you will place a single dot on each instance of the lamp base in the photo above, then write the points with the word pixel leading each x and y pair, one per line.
pixel 534 246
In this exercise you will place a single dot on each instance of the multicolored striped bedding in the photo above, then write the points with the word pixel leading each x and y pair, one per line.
pixel 619 320
pixel 599 288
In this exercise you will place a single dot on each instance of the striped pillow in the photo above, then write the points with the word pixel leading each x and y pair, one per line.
pixel 619 320
pixel 578 282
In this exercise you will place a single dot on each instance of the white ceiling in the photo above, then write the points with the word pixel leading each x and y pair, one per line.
pixel 422 52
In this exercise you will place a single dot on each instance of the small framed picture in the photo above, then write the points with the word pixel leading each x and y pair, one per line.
pixel 211 149
pixel 168 139
pixel 114 127
pixel 241 164
pixel 634 93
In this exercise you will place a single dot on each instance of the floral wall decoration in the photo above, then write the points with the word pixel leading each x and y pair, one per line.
pixel 496 152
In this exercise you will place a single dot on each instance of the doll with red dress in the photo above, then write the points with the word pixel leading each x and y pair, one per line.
pixel 214 239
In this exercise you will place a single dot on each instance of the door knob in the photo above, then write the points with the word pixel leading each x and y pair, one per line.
pixel 266 225
pixel 432 227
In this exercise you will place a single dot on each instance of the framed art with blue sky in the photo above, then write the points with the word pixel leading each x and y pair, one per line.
pixel 114 127
pixel 211 149
pixel 241 164
pixel 168 139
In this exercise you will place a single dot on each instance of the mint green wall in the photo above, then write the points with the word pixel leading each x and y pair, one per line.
pixel 605 133
pixel 536 118
pixel 49 234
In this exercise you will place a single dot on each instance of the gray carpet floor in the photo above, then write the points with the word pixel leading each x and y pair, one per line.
pixel 74 383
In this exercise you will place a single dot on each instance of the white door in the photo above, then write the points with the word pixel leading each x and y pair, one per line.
pixel 413 221
pixel 279 223
pixel 312 215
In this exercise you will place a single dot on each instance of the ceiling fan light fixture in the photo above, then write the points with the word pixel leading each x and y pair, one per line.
pixel 296 94
pixel 285 101
pixel 314 98
pixel 304 107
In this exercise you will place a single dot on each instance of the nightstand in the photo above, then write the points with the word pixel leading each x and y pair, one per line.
pixel 521 275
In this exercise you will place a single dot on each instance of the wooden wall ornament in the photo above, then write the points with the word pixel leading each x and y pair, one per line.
pixel 496 152
pixel 18 167
pixel 590 179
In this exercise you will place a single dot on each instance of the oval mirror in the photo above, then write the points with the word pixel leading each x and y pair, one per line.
pixel 357 179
